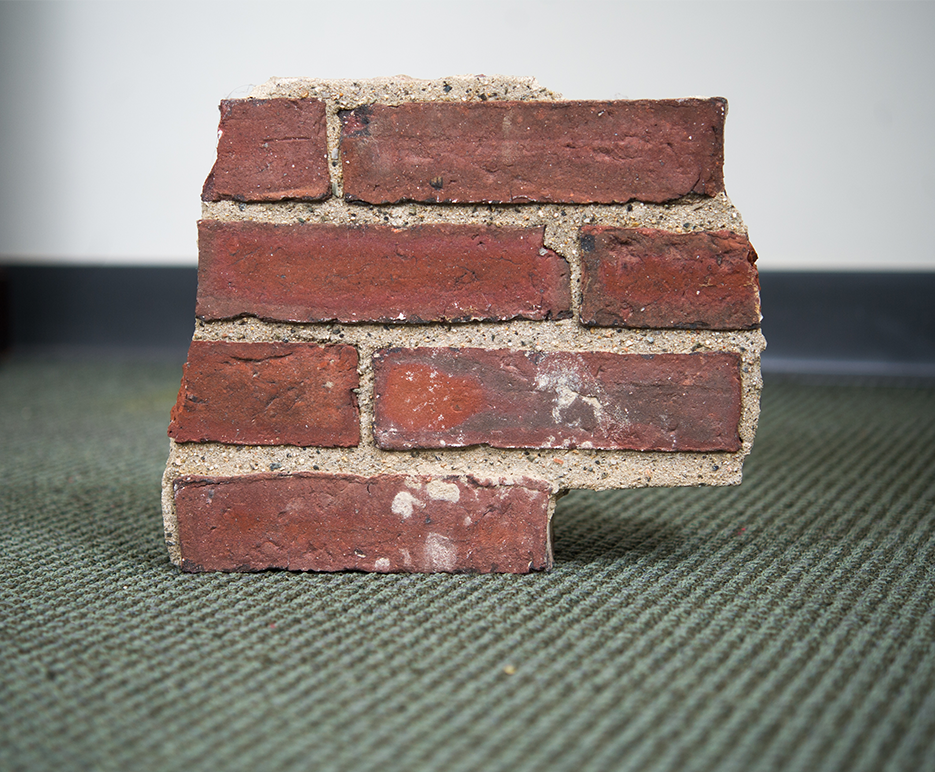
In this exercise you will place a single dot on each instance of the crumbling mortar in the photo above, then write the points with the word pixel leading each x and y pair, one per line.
pixel 578 468
pixel 333 153
pixel 708 214
pixel 347 94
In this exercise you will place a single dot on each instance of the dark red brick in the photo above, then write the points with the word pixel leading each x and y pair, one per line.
pixel 639 277
pixel 324 522
pixel 270 150
pixel 514 152
pixel 312 272
pixel 436 398
pixel 268 394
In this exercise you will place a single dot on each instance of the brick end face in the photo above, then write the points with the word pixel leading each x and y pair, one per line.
pixel 438 398
pixel 318 273
pixel 268 394
pixel 322 522
pixel 640 277
pixel 515 152
pixel 270 150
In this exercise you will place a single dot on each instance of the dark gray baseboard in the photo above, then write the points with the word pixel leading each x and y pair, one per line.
pixel 816 323
pixel 849 323
pixel 99 310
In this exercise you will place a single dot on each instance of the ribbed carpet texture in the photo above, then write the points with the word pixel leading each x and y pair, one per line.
pixel 788 624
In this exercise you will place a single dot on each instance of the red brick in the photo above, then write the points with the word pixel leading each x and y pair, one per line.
pixel 270 150
pixel 513 152
pixel 436 398
pixel 312 272
pixel 639 277
pixel 324 522
pixel 268 394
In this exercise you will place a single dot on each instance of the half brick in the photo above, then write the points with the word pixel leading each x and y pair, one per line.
pixel 318 272
pixel 270 150
pixel 438 398
pixel 514 152
pixel 641 277
pixel 324 522
pixel 268 394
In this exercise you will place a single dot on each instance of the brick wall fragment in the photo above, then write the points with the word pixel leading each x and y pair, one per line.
pixel 426 309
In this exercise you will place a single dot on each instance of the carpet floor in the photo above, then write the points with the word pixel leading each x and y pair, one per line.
pixel 787 624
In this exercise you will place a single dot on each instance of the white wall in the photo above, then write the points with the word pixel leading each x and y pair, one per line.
pixel 108 110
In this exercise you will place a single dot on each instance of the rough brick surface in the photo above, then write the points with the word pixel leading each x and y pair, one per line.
pixel 641 277
pixel 268 394
pixel 270 150
pixel 321 522
pixel 313 272
pixel 436 398
pixel 509 152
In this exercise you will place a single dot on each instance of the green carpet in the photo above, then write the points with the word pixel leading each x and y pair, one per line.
pixel 785 624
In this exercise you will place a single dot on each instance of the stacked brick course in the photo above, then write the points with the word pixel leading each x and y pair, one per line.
pixel 428 308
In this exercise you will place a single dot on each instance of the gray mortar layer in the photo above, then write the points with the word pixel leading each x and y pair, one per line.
pixel 561 469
